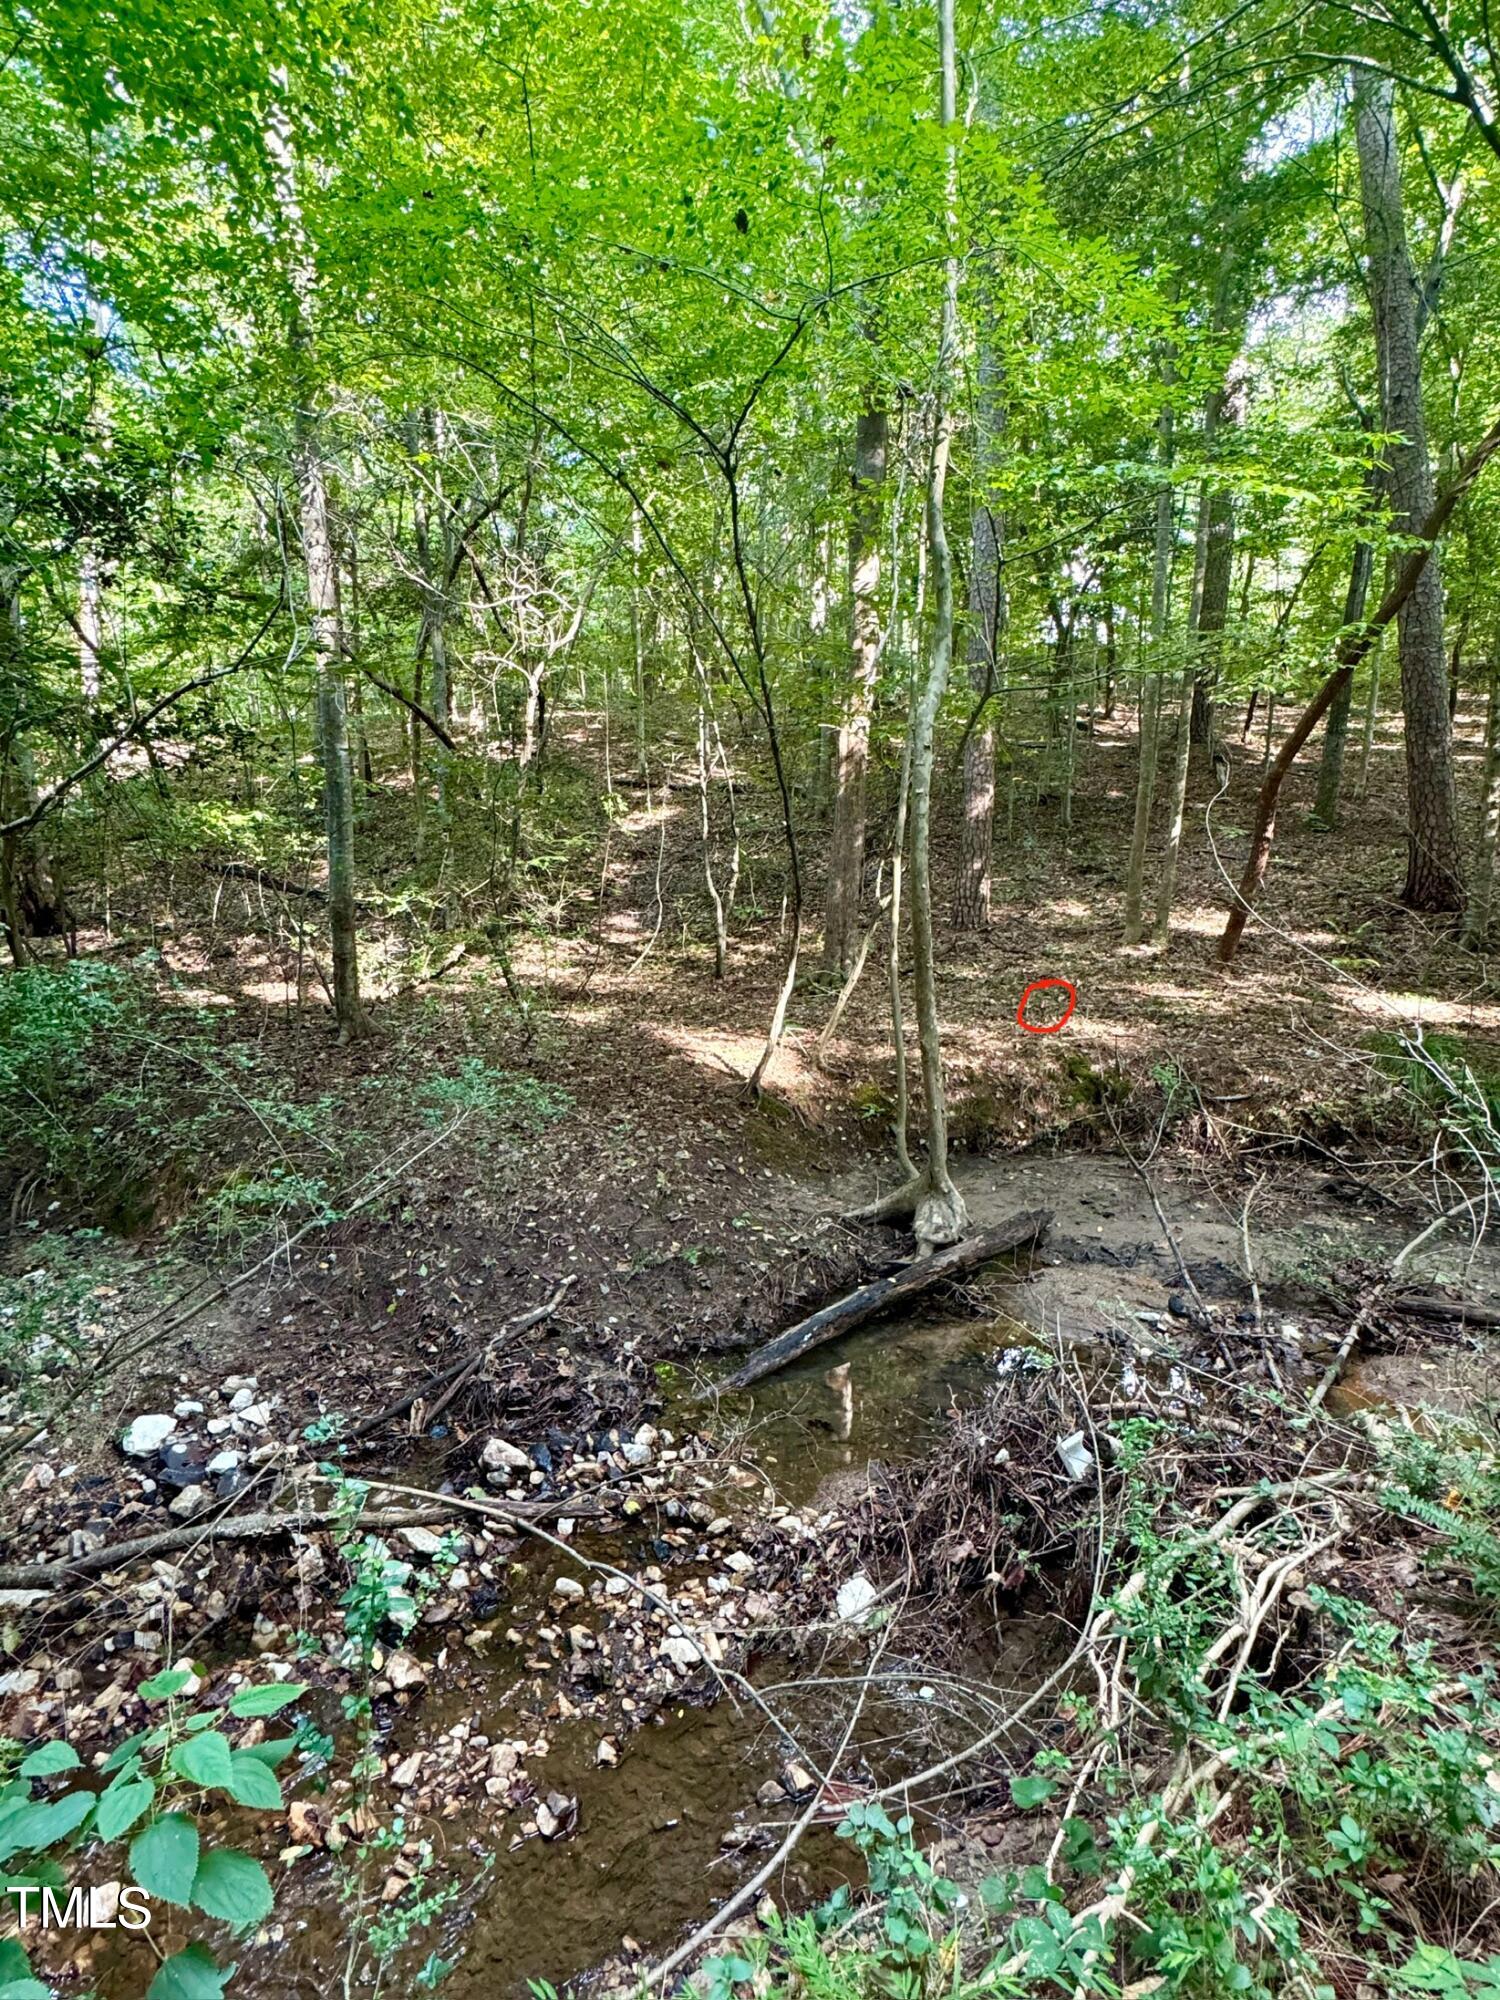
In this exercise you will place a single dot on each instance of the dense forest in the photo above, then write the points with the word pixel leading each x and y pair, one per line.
pixel 749 1037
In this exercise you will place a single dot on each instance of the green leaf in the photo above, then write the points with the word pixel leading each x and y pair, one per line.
pixel 49 1760
pixel 274 1751
pixel 266 1700
pixel 122 1805
pixel 40 1825
pixel 123 1752
pixel 190 1975
pixel 233 1886
pixel 252 1783
pixel 1029 1792
pixel 204 1759
pixel 170 1681
pixel 24 1989
pixel 14 1963
pixel 164 1858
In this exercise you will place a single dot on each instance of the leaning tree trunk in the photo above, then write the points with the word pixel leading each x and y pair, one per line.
pixel 846 848
pixel 971 909
pixel 322 599
pixel 1434 870
pixel 1336 732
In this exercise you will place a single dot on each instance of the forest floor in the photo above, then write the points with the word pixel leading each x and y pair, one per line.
pixel 571 1131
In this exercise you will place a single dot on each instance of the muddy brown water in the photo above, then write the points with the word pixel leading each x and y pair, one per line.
pixel 648 1859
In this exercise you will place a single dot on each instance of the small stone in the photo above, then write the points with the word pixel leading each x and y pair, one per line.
pixel 407 1771
pixel 856 1599
pixel 739 1562
pixel 770 1794
pixel 608 1751
pixel 567 1587
pixel 636 1455
pixel 797 1782
pixel 218 1426
pixel 222 1461
pixel 145 1436
pixel 405 1670
pixel 188 1407
pixel 255 1416
pixel 190 1501
pixel 497 1454
pixel 426 1541
pixel 241 1400
pixel 721 1526
pixel 556 1815
pixel 232 1384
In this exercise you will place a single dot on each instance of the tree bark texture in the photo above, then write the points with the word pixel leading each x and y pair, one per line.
pixel 1434 872
pixel 846 852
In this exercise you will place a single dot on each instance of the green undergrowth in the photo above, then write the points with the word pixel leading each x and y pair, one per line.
pixel 1320 1817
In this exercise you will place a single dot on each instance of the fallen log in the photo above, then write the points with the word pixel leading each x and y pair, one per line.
pixel 909 1282
pixel 254 1527
pixel 1438 1305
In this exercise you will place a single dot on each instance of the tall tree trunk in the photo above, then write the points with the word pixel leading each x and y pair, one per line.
pixel 1200 678
pixel 1149 729
pixel 940 1216
pixel 846 847
pixel 1336 732
pixel 971 910
pixel 1487 858
pixel 322 600
pixel 1434 871
pixel 424 437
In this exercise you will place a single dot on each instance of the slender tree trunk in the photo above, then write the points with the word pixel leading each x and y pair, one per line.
pixel 1434 873
pixel 322 598
pixel 1336 734
pixel 1149 729
pixel 846 850
pixel 1200 679
pixel 971 910
pixel 1487 857
pixel 941 1216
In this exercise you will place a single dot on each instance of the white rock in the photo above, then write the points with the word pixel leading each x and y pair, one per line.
pixel 739 1562
pixel 241 1400
pixel 405 1670
pixel 856 1599
pixel 145 1436
pixel 218 1427
pixel 1078 1460
pixel 426 1541
pixel 190 1501
pixel 254 1416
pixel 498 1453
pixel 681 1652
pixel 187 1408
pixel 222 1461
pixel 568 1587
pixel 232 1384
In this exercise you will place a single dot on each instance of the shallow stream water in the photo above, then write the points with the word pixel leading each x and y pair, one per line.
pixel 647 1859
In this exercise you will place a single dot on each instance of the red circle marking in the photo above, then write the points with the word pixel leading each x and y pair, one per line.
pixel 1037 986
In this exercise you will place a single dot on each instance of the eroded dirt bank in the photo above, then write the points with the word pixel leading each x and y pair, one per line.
pixel 586 1741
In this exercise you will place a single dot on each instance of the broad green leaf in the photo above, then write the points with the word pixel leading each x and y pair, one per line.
pixel 204 1759
pixel 123 1752
pixel 190 1975
pixel 233 1886
pixel 164 1858
pixel 1029 1792
pixel 39 1825
pixel 14 1963
pixel 170 1681
pixel 251 1782
pixel 24 1989
pixel 266 1700
pixel 122 1805
pixel 274 1751
pixel 49 1760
